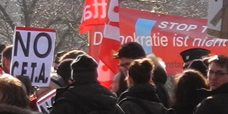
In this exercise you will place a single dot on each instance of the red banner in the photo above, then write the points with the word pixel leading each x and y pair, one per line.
pixel 94 13
pixel 111 36
pixel 164 35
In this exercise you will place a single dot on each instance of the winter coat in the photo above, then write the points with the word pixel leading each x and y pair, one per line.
pixel 163 94
pixel 143 100
pixel 82 99
pixel 216 103
pixel 9 109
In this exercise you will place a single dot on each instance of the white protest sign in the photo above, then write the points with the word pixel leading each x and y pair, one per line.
pixel 45 101
pixel 32 54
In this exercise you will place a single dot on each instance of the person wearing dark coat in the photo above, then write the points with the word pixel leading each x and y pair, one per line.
pixel 85 94
pixel 217 102
pixel 10 109
pixel 140 97
pixel 126 54
pixel 159 78
pixel 186 94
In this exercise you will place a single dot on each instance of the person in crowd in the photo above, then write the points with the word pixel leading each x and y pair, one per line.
pixel 198 65
pixel 85 94
pixel 9 109
pixel 186 94
pixel 2 47
pixel 126 54
pixel 72 54
pixel 62 76
pixel 191 54
pixel 217 102
pixel 57 59
pixel 159 78
pixel 64 71
pixel 141 97
pixel 29 91
pixel 13 96
pixel 27 83
pixel 6 58
pixel 118 83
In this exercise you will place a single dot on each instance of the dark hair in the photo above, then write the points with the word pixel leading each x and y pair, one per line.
pixel 160 75
pixel 58 56
pixel 27 83
pixel 64 69
pixel 7 52
pixel 220 60
pixel 2 47
pixel 131 50
pixel 140 70
pixel 188 83
pixel 198 65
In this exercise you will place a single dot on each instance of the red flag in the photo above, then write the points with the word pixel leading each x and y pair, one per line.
pixel 94 13
pixel 111 37
pixel 1 71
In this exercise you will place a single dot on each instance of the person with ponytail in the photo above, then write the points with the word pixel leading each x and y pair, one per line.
pixel 141 97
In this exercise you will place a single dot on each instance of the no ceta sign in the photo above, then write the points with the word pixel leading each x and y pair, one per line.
pixel 33 50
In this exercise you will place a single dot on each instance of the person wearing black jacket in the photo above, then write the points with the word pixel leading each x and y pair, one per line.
pixel 141 97
pixel 85 94
pixel 217 102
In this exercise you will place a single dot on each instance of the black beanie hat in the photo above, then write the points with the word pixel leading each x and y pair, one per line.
pixel 84 69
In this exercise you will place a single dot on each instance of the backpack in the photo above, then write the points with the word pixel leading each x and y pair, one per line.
pixel 149 107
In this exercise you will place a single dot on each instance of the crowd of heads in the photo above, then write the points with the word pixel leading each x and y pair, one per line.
pixel 200 70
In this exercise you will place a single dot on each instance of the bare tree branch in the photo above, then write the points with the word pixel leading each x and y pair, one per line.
pixel 7 17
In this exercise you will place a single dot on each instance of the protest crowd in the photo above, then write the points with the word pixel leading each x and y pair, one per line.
pixel 138 87
pixel 35 81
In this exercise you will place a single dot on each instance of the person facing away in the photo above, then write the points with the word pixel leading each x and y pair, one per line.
pixel 140 97
pixel 13 96
pixel 159 78
pixel 85 95
pixel 217 102
pixel 64 68
pixel 126 54
pixel 186 94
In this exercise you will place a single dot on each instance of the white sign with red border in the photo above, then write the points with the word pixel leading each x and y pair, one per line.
pixel 32 56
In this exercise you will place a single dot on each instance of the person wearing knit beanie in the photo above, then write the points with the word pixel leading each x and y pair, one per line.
pixel 64 70
pixel 85 95
pixel 84 69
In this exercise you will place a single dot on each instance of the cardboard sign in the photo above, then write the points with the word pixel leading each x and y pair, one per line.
pixel 32 54
pixel 45 101
pixel 217 18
